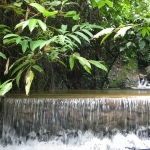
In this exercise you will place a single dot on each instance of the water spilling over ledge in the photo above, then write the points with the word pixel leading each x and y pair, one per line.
pixel 77 117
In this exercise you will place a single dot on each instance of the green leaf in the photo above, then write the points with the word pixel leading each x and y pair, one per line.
pixel 109 3
pixel 5 88
pixel 2 85
pixel 87 69
pixel 55 3
pixel 82 35
pixel 18 39
pixel 61 62
pixel 74 27
pixel 64 27
pixel 38 68
pixel 93 26
pixel 9 41
pixel 83 61
pixel 98 65
pixel 39 7
pixel 35 44
pixel 3 26
pixel 19 76
pixel 62 39
pixel 24 45
pixel 100 4
pixel 94 4
pixel 128 44
pixel 20 24
pixel 74 37
pixel 64 1
pixel 70 14
pixel 147 20
pixel 53 39
pixel 32 24
pixel 17 61
pixel 20 66
pixel 25 24
pixel 2 55
pixel 105 37
pixel 49 14
pixel 29 79
pixel 42 25
pixel 87 32
pixel 10 35
pixel 142 44
pixel 71 62
pixel 76 17
pixel 144 31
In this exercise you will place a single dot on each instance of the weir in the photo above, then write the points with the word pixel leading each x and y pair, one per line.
pixel 67 116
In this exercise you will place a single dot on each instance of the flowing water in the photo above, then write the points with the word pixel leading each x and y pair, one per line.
pixel 93 120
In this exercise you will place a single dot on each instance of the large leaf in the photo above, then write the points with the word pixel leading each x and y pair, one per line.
pixel 42 25
pixel 3 26
pixel 20 66
pixel 54 3
pixel 103 32
pixel 100 3
pixel 70 14
pixel 25 24
pixel 109 3
pixel 19 76
pixel 10 35
pixel 75 27
pixel 71 62
pixel 62 39
pixel 2 55
pixel 87 32
pixel 87 69
pixel 122 31
pixel 38 68
pixel 83 61
pixel 74 37
pixel 39 7
pixel 20 24
pixel 98 64
pixel 2 85
pixel 24 45
pixel 9 41
pixel 76 17
pixel 94 4
pixel 29 79
pixel 82 35
pixel 32 24
pixel 49 14
pixel 35 44
pixel 17 61
pixel 5 88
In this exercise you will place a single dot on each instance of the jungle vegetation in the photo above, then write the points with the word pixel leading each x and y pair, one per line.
pixel 55 44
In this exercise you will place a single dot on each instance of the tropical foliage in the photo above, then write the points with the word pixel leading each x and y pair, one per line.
pixel 91 34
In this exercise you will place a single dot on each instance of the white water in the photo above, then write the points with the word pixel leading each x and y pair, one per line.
pixel 86 141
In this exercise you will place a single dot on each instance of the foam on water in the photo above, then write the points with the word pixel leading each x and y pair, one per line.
pixel 86 141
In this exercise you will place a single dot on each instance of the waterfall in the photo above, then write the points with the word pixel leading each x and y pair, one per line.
pixel 44 118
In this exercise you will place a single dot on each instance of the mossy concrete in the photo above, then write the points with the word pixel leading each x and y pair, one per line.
pixel 124 74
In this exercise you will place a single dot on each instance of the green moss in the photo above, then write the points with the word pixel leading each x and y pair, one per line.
pixel 126 71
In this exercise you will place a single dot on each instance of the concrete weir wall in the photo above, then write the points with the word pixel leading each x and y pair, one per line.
pixel 103 115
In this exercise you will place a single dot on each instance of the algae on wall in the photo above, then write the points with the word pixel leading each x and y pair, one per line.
pixel 124 74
